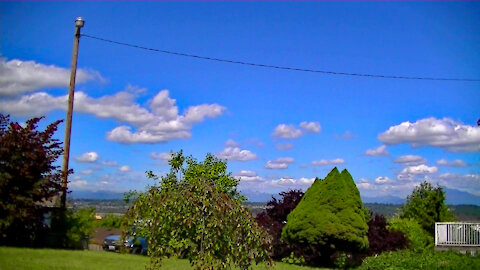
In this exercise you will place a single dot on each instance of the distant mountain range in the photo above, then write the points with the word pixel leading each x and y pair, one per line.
pixel 454 197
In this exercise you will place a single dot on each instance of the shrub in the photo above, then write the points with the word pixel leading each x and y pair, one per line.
pixel 418 239
pixel 381 239
pixel 109 221
pixel 79 225
pixel 330 217
pixel 406 259
pixel 274 218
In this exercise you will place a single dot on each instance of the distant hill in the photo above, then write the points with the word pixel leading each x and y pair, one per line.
pixel 456 197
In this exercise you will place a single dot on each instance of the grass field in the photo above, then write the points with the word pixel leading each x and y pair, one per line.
pixel 53 259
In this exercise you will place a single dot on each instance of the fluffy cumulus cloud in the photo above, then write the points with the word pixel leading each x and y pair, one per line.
pixel 279 163
pixel 419 169
pixel 285 131
pixel 379 151
pixel 444 133
pixel 247 176
pixel 17 76
pixel 160 123
pixel 381 180
pixel 87 157
pixel 410 160
pixel 324 162
pixel 124 168
pixel 284 146
pixel 236 154
pixel 453 163
pixel 231 143
pixel 465 182
pixel 162 156
pixel 311 127
pixel 292 183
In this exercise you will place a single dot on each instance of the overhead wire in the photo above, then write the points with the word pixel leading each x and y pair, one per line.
pixel 281 67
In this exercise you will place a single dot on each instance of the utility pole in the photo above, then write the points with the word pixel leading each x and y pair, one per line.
pixel 79 22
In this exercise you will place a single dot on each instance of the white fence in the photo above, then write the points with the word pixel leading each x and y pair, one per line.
pixel 457 234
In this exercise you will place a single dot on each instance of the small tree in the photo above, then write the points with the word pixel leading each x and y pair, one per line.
pixel 275 217
pixel 427 205
pixel 199 217
pixel 330 217
pixel 28 178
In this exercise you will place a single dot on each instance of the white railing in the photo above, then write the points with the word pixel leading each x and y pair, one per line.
pixel 457 234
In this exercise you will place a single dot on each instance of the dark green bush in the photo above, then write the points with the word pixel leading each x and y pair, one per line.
pixel 109 221
pixel 407 259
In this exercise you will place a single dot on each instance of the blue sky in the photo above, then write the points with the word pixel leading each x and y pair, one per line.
pixel 278 129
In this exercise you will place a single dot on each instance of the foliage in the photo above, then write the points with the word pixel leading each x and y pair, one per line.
pixel 380 239
pixel 426 205
pixel 198 218
pixel 28 178
pixel 418 239
pixel 79 224
pixel 292 259
pixel 330 217
pixel 406 259
pixel 274 218
pixel 109 221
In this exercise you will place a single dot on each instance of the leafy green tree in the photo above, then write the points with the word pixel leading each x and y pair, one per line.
pixel 28 178
pixel 427 205
pixel 199 217
pixel 330 217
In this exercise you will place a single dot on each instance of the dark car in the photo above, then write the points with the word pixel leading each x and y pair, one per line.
pixel 135 246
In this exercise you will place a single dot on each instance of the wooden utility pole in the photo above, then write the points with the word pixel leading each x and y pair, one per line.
pixel 79 22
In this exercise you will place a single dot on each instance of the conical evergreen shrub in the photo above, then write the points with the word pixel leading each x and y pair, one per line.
pixel 330 217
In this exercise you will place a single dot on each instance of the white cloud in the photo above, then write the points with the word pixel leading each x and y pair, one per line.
pixel 383 180
pixel 284 146
pixel 235 153
pixel 379 151
pixel 419 169
pixel 465 182
pixel 454 163
pixel 124 168
pixel 311 127
pixel 347 135
pixel 284 131
pixel 231 143
pixel 77 183
pixel 324 162
pixel 279 163
pixel 162 123
pixel 444 133
pixel 162 156
pixel 109 163
pixel 87 157
pixel 248 176
pixel 292 183
pixel 17 77
pixel 287 132
pixel 410 160
pixel 86 172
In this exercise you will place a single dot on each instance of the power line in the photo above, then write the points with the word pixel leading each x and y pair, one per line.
pixel 282 67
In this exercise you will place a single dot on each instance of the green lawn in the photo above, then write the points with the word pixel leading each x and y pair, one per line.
pixel 54 259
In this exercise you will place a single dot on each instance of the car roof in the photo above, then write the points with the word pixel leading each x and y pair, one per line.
pixel 113 237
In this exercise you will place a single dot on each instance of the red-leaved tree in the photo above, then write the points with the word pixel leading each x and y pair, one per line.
pixel 28 178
